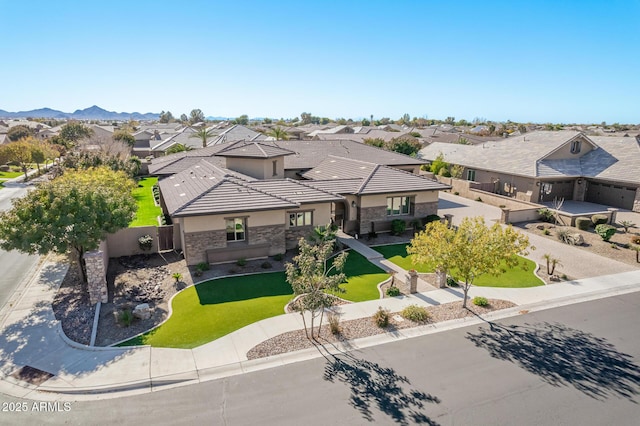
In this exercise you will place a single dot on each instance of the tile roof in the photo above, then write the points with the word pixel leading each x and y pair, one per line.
pixel 617 159
pixel 361 177
pixel 252 150
pixel 297 191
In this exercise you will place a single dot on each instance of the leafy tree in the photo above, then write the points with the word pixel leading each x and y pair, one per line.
pixel 323 120
pixel 456 171
pixel 377 142
pixel 184 118
pixel 19 152
pixel 243 120
pixel 470 251
pixel 70 214
pixel 492 129
pixel 267 120
pixel 124 136
pixel 166 117
pixel 365 122
pixel 18 132
pixel 438 164
pixel 203 134
pixel 196 116
pixel 279 133
pixel 41 152
pixel 450 120
pixel 311 275
pixel 305 117
pixel 404 145
pixel 74 131
pixel 177 148
pixel 405 119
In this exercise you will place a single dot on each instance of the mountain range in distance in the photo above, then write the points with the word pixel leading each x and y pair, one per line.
pixel 91 113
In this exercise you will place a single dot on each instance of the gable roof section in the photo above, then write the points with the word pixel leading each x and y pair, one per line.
pixel 361 177
pixel 252 150
pixel 617 159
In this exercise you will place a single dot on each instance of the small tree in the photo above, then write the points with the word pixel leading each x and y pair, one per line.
pixel 626 224
pixel 19 152
pixel 203 134
pixel 311 275
pixel 552 262
pixel 279 133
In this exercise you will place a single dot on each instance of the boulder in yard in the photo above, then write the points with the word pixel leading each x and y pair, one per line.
pixel 142 311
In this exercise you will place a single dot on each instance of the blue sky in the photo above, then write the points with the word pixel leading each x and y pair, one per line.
pixel 538 61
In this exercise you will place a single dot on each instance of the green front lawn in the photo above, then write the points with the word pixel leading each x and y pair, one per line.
pixel 215 308
pixel 148 212
pixel 10 175
pixel 513 277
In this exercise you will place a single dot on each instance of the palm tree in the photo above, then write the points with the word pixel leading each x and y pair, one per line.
pixel 279 133
pixel 177 148
pixel 203 134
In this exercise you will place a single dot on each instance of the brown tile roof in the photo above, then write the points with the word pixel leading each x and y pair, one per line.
pixel 252 150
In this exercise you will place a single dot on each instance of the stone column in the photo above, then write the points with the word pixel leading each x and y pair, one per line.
pixel 412 281
pixel 613 214
pixel 504 217
pixel 448 219
pixel 96 277
pixel 580 190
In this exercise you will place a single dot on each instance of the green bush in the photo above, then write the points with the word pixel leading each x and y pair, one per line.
pixel 145 242
pixel 177 276
pixel 241 262
pixel 278 257
pixel 479 199
pixel 125 317
pixel 266 265
pixel 415 313
pixel 605 231
pixel 393 291
pixel 398 226
pixel 451 282
pixel 202 266
pixel 456 193
pixel 381 317
pixel 546 215
pixel 480 301
pixel 583 223
pixel 546 232
pixel 599 219
pixel 431 218
pixel 372 235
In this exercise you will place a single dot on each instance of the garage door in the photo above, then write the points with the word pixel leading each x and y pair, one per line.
pixel 556 189
pixel 610 195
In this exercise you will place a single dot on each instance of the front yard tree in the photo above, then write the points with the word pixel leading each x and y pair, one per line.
pixel 19 152
pixel 18 132
pixel 70 214
pixel 74 131
pixel 311 275
pixel 433 246
pixel 471 251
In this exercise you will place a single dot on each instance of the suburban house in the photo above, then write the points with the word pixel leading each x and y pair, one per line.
pixel 544 165
pixel 252 199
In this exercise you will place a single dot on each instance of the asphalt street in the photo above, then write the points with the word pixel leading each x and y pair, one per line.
pixel 579 364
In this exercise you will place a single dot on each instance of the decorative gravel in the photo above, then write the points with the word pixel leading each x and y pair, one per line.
pixel 364 327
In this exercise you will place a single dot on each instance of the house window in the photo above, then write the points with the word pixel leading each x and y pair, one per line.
pixel 300 219
pixel 471 175
pixel 575 147
pixel 235 229
pixel 275 167
pixel 397 206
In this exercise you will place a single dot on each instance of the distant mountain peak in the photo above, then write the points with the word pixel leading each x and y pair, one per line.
pixel 94 112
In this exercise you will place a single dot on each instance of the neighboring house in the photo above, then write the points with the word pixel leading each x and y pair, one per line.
pixel 236 200
pixel 544 165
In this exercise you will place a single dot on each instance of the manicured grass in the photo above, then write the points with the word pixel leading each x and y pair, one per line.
pixel 363 278
pixel 215 308
pixel 210 310
pixel 10 175
pixel 512 278
pixel 148 212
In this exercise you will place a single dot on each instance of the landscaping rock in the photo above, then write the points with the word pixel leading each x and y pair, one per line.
pixel 142 311
pixel 577 239
pixel 555 278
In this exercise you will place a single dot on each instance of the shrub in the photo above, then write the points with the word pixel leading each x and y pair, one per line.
pixel 479 199
pixel 564 277
pixel 202 266
pixel 125 317
pixel 241 262
pixel 583 223
pixel 564 235
pixel 480 301
pixel 393 291
pixel 456 193
pixel 599 219
pixel 381 317
pixel 334 322
pixel 635 239
pixel 278 257
pixel 626 224
pixel 546 215
pixel 605 231
pixel 431 218
pixel 546 232
pixel 145 242
pixel 372 234
pixel 415 313
pixel 398 226
pixel 177 276
pixel 451 282
pixel 266 265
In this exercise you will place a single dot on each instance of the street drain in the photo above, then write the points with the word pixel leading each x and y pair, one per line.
pixel 32 375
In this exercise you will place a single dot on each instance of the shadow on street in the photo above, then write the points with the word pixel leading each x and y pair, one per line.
pixel 561 355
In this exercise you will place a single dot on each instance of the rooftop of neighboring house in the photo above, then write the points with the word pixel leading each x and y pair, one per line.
pixel 205 188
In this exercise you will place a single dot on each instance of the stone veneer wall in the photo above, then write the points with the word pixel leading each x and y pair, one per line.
pixel 197 243
pixel 378 215
pixel 274 235
pixel 292 235
pixel 96 276
pixel 636 201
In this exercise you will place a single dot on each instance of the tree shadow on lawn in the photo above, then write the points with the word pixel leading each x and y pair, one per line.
pixel 374 385
pixel 561 355
pixel 233 289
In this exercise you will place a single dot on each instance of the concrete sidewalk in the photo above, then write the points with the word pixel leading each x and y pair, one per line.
pixel 31 336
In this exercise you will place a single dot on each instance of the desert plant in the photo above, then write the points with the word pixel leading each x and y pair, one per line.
pixel 177 276
pixel 552 262
pixel 546 215
pixel 564 235
pixel 334 322
pixel 145 242
pixel 626 224
pixel 456 193
pixel 381 317
pixel 546 232
pixel 564 277
pixel 415 313
pixel 393 291
pixel 266 265
pixel 635 239
pixel 583 223
pixel 479 199
pixel 599 219
pixel 480 301
pixel 125 317
pixel 241 262
pixel 605 231
pixel 278 257
pixel 398 226
pixel 202 266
